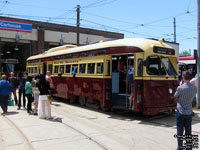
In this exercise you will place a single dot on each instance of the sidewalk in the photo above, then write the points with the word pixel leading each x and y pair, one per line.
pixel 30 132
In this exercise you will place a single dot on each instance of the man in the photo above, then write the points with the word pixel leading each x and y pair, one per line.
pixel 5 90
pixel 22 90
pixel 184 95
pixel 13 81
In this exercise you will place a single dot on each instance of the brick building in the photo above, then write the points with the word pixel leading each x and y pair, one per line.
pixel 21 38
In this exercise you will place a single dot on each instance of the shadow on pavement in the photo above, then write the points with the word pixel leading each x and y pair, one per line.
pixel 11 113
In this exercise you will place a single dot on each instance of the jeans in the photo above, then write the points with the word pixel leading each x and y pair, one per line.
pixel 15 96
pixel 4 102
pixel 30 98
pixel 183 122
pixel 21 92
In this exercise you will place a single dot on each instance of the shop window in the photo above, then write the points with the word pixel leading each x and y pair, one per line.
pixel 82 68
pixel 67 68
pixel 91 67
pixel 100 68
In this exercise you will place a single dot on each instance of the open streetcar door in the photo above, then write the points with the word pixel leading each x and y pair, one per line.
pixel 122 78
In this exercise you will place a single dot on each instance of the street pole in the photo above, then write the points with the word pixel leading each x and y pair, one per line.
pixel 78 24
pixel 0 58
pixel 198 52
pixel 174 30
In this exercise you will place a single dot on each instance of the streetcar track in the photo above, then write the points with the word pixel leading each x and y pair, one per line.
pixel 86 135
pixel 25 141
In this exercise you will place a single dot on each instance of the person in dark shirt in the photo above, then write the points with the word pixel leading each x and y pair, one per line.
pixel 21 87
pixel 44 109
pixel 14 82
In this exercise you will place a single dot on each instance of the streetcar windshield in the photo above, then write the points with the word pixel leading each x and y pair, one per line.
pixel 169 67
pixel 155 67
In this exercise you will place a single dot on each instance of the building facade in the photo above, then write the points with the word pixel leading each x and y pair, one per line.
pixel 21 38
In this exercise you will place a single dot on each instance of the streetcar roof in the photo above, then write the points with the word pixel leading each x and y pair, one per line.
pixel 143 44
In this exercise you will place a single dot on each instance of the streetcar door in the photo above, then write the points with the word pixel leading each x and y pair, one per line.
pixel 121 85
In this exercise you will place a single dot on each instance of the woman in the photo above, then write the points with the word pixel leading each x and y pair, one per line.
pixel 44 109
pixel 5 90
pixel 36 93
pixel 29 94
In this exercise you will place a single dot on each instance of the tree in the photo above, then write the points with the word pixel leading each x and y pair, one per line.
pixel 185 53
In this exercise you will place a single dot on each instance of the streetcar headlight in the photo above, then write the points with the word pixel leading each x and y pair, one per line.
pixel 170 91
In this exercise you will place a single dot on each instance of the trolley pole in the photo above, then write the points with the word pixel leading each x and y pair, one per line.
pixel 198 54
pixel 78 24
pixel 174 30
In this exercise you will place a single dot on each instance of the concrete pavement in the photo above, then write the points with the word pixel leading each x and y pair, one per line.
pixel 21 131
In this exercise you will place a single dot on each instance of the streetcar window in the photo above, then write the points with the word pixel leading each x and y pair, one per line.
pixel 39 71
pixel 75 55
pixel 56 69
pixel 100 68
pixel 29 70
pixel 62 57
pixel 62 69
pixel 35 70
pixel 155 67
pixel 50 67
pixel 67 68
pixel 108 67
pixel 169 67
pixel 68 56
pixel 82 68
pixel 91 54
pixel 91 67
pixel 75 67
pixel 101 53
pixel 139 67
pixel 32 70
pixel 83 55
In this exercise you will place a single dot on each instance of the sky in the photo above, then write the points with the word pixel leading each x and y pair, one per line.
pixel 133 18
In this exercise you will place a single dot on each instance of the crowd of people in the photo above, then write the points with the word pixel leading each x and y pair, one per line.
pixel 33 89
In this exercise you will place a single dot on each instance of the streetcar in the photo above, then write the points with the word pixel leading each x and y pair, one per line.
pixel 99 75
pixel 188 63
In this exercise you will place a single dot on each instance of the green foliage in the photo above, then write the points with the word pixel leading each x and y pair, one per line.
pixel 185 53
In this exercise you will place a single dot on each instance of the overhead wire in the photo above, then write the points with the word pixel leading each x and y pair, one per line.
pixel 5 2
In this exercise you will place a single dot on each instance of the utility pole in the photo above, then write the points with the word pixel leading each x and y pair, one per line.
pixel 78 24
pixel 0 57
pixel 174 30
pixel 198 53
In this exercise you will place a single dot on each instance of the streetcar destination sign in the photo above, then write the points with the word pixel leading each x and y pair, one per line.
pixel 13 25
pixel 162 50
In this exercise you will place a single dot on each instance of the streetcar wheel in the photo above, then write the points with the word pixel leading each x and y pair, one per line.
pixel 82 100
